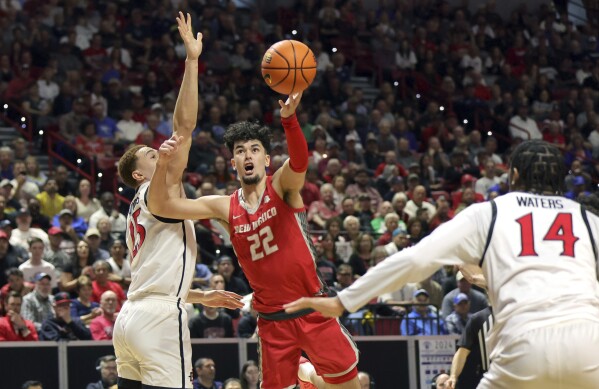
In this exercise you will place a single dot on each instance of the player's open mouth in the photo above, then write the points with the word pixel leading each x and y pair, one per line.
pixel 249 169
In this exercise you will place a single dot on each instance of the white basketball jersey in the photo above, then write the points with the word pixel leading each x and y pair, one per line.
pixel 541 263
pixel 538 254
pixel 162 251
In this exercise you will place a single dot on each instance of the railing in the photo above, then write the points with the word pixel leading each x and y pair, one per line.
pixel 384 319
pixel 394 361
pixel 54 139
pixel 16 117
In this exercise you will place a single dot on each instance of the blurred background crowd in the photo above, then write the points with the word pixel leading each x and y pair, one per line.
pixel 411 118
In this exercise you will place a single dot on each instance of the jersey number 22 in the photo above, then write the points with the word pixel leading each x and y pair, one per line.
pixel 261 244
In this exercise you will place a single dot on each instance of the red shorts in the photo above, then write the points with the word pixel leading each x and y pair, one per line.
pixel 328 345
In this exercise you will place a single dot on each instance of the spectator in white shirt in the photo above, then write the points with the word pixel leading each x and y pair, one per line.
pixel 523 127
pixel 118 220
pixel 129 129
pixel 48 89
pixel 488 180
pixel 418 201
pixel 323 60
pixel 36 265
pixel 594 138
pixel 125 55
pixel 21 235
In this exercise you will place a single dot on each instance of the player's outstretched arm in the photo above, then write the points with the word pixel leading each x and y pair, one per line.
pixel 459 241
pixel 186 108
pixel 215 298
pixel 289 179
pixel 328 306
pixel 162 203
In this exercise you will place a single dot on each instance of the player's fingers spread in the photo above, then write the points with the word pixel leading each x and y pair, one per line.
pixel 281 104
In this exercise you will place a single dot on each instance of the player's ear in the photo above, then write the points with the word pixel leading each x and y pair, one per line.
pixel 514 176
pixel 267 160
pixel 137 175
pixel 233 164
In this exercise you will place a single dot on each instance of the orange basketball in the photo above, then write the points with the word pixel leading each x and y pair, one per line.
pixel 288 67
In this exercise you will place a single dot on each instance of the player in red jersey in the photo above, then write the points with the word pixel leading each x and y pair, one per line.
pixel 266 218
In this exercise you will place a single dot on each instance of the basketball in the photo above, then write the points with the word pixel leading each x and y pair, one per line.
pixel 288 67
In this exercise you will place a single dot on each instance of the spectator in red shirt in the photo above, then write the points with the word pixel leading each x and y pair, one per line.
pixel 137 105
pixel 16 283
pixel 444 213
pixel 310 192
pixel 102 326
pixel 321 211
pixel 88 142
pixel 516 56
pixel 150 137
pixel 101 284
pixel 95 55
pixel 13 327
pixel 19 86
pixel 552 134
pixel 390 159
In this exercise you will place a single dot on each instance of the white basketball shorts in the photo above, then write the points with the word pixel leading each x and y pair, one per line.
pixel 563 356
pixel 151 342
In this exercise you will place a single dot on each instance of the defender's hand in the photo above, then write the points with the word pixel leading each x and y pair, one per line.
pixel 328 306
pixel 169 147
pixel 221 298
pixel 193 45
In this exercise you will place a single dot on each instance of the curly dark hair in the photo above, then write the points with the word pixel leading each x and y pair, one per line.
pixel 244 131
pixel 541 168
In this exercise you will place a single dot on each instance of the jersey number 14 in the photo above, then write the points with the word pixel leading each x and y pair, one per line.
pixel 561 229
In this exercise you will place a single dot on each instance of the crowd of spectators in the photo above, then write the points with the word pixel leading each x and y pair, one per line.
pixel 451 91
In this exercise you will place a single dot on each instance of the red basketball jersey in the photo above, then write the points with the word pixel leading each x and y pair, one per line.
pixel 274 249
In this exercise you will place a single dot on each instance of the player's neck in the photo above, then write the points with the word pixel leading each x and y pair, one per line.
pixel 253 193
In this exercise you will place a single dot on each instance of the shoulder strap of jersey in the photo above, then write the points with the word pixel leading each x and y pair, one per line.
pixel 159 218
pixel 490 233
pixel 583 211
